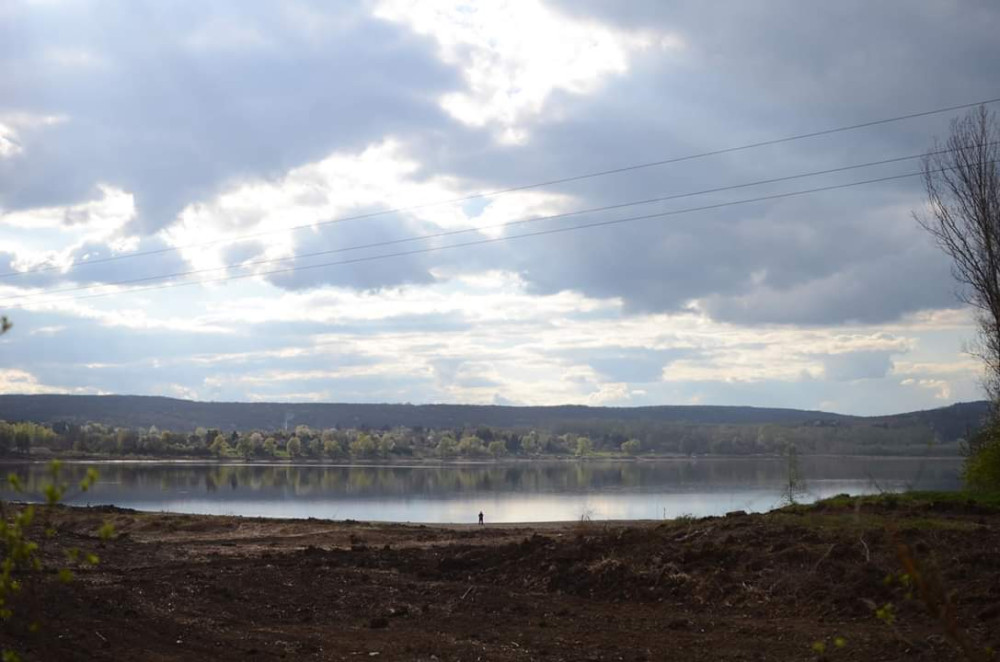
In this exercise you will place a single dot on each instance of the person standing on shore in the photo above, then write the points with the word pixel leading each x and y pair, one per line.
pixel 481 518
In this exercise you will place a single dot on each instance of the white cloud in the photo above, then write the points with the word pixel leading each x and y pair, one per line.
pixel 968 366
pixel 504 344
pixel 608 394
pixel 533 349
pixel 23 382
pixel 515 54
pixel 328 112
pixel 940 388
pixel 13 124
pixel 48 330
pixel 381 176
pixel 23 120
pixel 50 235
pixel 97 218
pixel 9 145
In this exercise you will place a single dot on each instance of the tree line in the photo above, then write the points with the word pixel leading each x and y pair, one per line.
pixel 591 439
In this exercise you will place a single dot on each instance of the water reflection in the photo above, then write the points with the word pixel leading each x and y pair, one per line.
pixel 513 492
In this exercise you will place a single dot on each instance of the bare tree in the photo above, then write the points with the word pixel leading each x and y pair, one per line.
pixel 962 179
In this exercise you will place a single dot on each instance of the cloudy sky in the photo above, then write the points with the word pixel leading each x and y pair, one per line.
pixel 249 200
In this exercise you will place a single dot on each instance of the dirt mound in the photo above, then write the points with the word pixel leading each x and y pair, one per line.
pixel 735 588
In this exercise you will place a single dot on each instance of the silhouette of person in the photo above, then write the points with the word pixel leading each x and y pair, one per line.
pixel 481 518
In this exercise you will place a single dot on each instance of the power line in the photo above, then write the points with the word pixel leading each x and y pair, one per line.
pixel 448 233
pixel 493 240
pixel 513 189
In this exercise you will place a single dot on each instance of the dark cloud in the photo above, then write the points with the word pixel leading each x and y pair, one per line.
pixel 355 268
pixel 848 255
pixel 176 102
pixel 171 110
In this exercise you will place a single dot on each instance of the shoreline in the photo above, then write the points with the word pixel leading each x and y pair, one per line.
pixel 434 462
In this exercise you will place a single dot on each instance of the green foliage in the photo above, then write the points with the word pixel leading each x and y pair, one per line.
pixel 632 447
pixel 363 446
pixel 21 559
pixel 913 498
pixel 244 447
pixel 331 447
pixel 294 447
pixel 447 446
pixel 582 438
pixel 386 445
pixel 219 447
pixel 270 446
pixel 820 646
pixel 497 448
pixel 982 463
pixel 19 438
pixel 531 443
pixel 315 447
pixel 471 446
pixel 886 613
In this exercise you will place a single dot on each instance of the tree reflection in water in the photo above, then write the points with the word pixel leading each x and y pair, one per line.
pixel 643 486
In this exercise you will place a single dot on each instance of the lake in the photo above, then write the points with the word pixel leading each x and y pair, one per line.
pixel 505 492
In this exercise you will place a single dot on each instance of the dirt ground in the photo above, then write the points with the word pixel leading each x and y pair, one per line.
pixel 741 587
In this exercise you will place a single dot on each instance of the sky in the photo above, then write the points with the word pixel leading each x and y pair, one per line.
pixel 325 201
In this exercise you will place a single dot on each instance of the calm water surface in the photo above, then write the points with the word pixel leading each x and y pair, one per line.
pixel 512 492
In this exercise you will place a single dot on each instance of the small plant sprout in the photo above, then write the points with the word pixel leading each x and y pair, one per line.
pixel 21 559
pixel 886 613
pixel 820 647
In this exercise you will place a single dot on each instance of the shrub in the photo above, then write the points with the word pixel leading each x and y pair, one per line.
pixel 364 446
pixel 632 447
pixel 21 555
pixel 982 463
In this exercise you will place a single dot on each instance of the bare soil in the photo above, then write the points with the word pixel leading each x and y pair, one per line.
pixel 741 587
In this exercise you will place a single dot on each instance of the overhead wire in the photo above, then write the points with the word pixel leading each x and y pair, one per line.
pixel 513 189
pixel 481 228
pixel 490 240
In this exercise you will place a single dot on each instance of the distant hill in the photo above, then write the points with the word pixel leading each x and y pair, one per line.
pixel 947 423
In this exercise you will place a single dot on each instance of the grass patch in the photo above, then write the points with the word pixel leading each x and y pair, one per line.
pixel 926 510
pixel 847 521
pixel 967 497
pixel 990 500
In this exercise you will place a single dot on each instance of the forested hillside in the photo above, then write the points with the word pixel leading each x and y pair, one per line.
pixel 175 414
pixel 165 426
